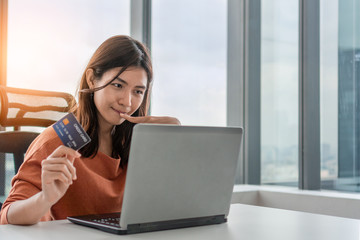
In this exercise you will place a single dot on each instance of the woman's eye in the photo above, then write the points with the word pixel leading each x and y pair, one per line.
pixel 117 85
pixel 139 92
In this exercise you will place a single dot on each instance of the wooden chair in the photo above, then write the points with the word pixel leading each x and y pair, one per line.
pixel 24 107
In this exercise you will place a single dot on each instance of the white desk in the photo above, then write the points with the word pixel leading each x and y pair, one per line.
pixel 245 222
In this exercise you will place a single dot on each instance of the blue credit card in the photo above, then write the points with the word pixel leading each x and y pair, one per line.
pixel 71 132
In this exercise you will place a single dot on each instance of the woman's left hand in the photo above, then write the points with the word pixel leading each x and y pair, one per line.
pixel 151 119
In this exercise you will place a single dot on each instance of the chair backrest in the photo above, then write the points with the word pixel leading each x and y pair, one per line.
pixel 13 145
pixel 24 107
pixel 16 143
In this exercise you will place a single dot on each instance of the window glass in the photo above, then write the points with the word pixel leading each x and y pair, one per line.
pixel 50 42
pixel 340 95
pixel 189 40
pixel 279 91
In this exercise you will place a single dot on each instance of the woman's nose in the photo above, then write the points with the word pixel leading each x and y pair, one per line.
pixel 125 99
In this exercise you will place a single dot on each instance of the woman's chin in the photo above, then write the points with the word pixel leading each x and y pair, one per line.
pixel 121 121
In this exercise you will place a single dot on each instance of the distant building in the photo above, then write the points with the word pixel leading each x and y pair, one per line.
pixel 349 90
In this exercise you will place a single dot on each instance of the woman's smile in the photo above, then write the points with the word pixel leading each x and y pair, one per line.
pixel 118 111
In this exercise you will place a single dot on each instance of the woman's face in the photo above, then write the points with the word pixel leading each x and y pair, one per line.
pixel 124 95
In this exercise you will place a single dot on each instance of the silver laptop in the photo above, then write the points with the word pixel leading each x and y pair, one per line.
pixel 177 176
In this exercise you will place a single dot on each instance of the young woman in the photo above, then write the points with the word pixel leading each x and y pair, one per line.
pixel 55 181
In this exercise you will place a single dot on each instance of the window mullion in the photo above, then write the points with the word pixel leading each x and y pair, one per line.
pixel 243 90
pixel 309 95
pixel 3 40
pixel 141 21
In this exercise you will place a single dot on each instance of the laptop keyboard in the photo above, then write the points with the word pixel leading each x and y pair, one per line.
pixel 108 221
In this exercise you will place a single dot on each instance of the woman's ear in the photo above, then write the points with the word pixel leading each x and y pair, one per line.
pixel 90 77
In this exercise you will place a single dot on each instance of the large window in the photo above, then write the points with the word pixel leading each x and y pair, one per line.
pixel 189 54
pixel 279 91
pixel 50 42
pixel 340 94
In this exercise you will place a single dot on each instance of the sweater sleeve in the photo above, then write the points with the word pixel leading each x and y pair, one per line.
pixel 27 182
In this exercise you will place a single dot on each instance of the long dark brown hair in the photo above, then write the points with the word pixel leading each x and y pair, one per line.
pixel 118 51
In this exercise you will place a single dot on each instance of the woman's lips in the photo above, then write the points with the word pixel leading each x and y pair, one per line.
pixel 118 111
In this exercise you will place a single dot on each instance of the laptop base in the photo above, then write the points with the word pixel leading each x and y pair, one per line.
pixel 101 222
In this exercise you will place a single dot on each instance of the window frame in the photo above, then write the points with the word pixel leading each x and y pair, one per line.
pixel 309 95
pixel 3 40
pixel 243 83
pixel 244 88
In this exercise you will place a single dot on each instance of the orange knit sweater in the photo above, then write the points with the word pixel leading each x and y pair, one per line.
pixel 99 186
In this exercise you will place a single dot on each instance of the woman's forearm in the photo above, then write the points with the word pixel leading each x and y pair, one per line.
pixel 58 173
pixel 29 211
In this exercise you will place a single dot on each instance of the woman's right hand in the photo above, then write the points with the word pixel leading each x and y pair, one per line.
pixel 58 173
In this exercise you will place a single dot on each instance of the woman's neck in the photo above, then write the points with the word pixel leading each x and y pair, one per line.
pixel 105 140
